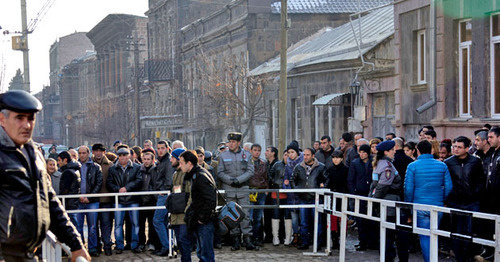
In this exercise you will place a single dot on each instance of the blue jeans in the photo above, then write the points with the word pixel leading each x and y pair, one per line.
pixel 424 221
pixel 183 242
pixel 106 225
pixel 91 223
pixel 204 235
pixel 256 215
pixel 307 221
pixel 134 219
pixel 279 213
pixel 160 221
pixel 464 251
pixel 73 217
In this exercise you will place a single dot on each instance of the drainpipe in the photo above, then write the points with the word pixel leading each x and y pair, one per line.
pixel 432 59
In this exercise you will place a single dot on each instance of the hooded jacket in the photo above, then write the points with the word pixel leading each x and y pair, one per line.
pixel 70 183
pixel 28 204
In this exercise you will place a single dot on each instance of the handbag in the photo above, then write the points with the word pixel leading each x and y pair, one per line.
pixel 176 202
pixel 229 216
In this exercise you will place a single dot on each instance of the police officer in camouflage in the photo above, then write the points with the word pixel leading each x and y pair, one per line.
pixel 234 171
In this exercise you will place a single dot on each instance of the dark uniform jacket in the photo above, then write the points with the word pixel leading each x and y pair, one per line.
pixel 70 183
pixel 131 179
pixel 94 180
pixel 28 204
pixel 203 197
pixel 302 178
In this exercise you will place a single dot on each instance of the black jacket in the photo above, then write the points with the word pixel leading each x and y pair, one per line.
pixel 401 162
pixel 301 179
pixel 360 177
pixel 147 185
pixel 276 174
pixel 94 179
pixel 203 197
pixel 336 178
pixel 28 204
pixel 492 192
pixel 70 183
pixel 468 179
pixel 163 180
pixel 485 158
pixel 325 157
pixel 131 179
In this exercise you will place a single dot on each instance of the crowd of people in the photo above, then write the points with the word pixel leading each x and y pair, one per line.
pixel 459 173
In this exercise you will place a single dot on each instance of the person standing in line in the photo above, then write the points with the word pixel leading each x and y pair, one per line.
pixel 200 213
pixel 55 175
pixel 276 178
pixel 70 182
pixel 427 181
pixel 324 154
pixel 258 181
pixel 294 157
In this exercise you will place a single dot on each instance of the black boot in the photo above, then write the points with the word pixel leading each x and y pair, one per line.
pixel 248 242
pixel 236 243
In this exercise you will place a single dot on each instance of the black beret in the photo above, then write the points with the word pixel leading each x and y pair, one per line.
pixel 20 101
pixel 96 147
pixel 234 136
pixel 386 145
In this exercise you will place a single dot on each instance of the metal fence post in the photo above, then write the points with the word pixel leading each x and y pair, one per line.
pixel 328 204
pixel 316 220
pixel 497 238
pixel 383 217
pixel 433 255
pixel 343 228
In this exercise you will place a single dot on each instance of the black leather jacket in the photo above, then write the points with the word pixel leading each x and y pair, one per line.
pixel 28 204
pixel 163 180
pixel 94 180
pixel 131 179
pixel 70 183
pixel 468 179
pixel 203 196
pixel 147 185
pixel 300 178
pixel 276 174
pixel 336 178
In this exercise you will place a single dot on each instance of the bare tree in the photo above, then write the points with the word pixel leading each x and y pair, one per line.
pixel 229 98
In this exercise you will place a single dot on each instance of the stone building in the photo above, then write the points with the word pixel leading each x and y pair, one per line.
pixel 119 40
pixel 61 53
pixel 229 43
pixel 329 79
pixel 446 66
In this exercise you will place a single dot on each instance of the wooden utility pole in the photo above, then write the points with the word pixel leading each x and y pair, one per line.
pixel 136 93
pixel 282 117
pixel 24 40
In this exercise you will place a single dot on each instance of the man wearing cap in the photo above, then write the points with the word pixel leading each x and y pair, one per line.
pixel 116 144
pixel 234 171
pixel 105 219
pixel 124 176
pixel 27 201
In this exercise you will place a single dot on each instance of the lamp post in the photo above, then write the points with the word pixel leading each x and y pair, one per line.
pixel 354 90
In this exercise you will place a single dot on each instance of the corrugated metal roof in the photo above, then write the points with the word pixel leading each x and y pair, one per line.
pixel 336 44
pixel 327 6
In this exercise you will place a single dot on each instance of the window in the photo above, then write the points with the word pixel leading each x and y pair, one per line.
pixel 421 57
pixel 464 67
pixel 495 65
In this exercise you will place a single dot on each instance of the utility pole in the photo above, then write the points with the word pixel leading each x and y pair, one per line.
pixel 136 93
pixel 282 118
pixel 26 59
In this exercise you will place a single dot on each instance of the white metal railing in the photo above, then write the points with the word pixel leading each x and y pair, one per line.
pixel 326 202
pixel 52 249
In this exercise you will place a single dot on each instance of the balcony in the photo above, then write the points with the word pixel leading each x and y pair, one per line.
pixel 159 70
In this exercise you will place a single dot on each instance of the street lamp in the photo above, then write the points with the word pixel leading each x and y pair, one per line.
pixel 354 88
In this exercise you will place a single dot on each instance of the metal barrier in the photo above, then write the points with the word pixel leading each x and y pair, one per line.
pixel 326 202
pixel 52 249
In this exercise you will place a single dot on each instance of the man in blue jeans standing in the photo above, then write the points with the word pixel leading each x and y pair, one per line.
pixel 91 183
pixel 123 177
pixel 162 181
pixel 201 212
pixel 427 181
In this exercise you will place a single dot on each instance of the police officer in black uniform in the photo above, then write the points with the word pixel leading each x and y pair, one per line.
pixel 28 204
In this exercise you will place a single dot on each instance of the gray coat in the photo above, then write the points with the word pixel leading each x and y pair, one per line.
pixel 235 165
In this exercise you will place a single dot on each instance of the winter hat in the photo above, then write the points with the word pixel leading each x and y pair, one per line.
pixel 365 148
pixel 293 145
pixel 177 152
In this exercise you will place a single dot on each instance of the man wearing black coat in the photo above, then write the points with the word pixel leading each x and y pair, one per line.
pixel 69 183
pixel 358 182
pixel 201 212
pixel 468 178
pixel 324 154
pixel 27 201
pixel 125 176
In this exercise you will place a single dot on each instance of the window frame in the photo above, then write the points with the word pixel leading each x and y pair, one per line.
pixel 461 46
pixel 493 41
pixel 421 52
